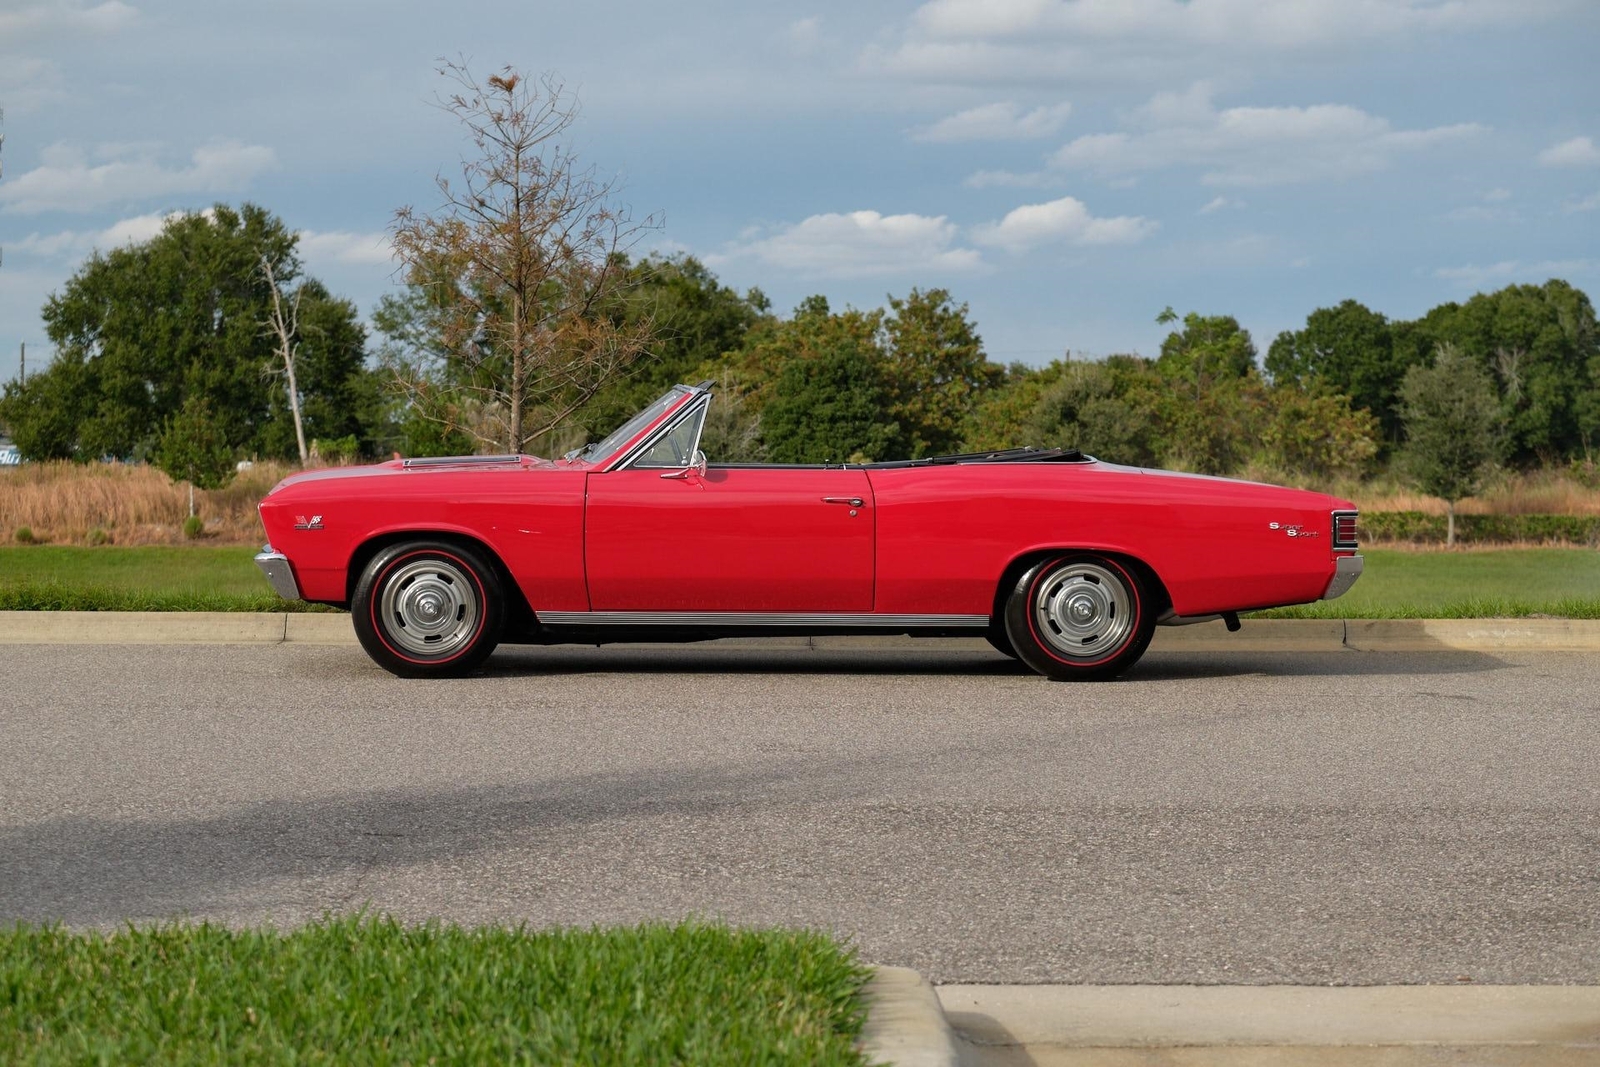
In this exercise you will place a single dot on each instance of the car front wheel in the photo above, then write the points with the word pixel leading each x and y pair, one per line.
pixel 428 609
pixel 1079 617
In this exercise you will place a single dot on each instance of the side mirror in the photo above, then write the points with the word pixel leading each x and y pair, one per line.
pixel 697 467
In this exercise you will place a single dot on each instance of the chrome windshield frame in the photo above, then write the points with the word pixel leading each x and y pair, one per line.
pixel 698 399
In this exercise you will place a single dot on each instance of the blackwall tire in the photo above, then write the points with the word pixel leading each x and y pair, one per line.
pixel 1080 617
pixel 428 609
pixel 996 636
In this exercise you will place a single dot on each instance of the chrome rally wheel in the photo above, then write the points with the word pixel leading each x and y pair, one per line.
pixel 429 607
pixel 1079 616
pixel 426 608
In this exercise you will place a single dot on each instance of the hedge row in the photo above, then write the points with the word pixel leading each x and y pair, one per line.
pixel 1416 527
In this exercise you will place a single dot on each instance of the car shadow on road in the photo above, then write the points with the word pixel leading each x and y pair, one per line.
pixel 519 661
pixel 306 855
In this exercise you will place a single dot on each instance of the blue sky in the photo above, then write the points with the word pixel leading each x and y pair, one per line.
pixel 1067 167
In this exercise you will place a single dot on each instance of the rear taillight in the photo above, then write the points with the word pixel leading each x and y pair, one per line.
pixel 1344 529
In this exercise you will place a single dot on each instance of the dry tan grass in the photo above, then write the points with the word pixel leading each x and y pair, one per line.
pixel 66 503
pixel 1534 493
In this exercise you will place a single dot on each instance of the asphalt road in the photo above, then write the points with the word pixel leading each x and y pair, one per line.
pixel 1323 818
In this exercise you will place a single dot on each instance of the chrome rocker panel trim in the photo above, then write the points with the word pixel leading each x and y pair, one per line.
pixel 275 565
pixel 1345 573
pixel 761 618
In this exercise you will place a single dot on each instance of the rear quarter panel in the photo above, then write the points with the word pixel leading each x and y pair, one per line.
pixel 532 518
pixel 947 534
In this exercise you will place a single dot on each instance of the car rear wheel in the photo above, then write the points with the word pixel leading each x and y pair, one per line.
pixel 428 609
pixel 1079 617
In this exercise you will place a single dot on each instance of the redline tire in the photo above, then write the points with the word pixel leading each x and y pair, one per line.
pixel 1079 617
pixel 428 609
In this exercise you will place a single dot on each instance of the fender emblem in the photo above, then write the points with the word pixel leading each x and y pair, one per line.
pixel 1292 529
pixel 300 522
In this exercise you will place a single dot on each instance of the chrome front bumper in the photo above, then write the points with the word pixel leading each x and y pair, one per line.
pixel 275 565
pixel 1345 573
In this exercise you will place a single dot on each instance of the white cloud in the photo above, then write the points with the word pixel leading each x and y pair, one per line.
pixel 1004 121
pixel 1217 203
pixel 1063 221
pixel 1010 41
pixel 1250 146
pixel 64 16
pixel 68 180
pixel 1473 276
pixel 75 244
pixel 1588 203
pixel 340 246
pixel 858 244
pixel 1578 152
pixel 1497 196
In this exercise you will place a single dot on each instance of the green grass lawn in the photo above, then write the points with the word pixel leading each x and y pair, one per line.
pixel 145 578
pixel 1397 583
pixel 372 991
pixel 1464 585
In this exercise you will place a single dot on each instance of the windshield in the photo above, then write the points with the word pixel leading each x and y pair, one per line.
pixel 601 451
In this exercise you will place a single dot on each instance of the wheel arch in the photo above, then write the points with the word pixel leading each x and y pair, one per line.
pixel 1161 600
pixel 518 613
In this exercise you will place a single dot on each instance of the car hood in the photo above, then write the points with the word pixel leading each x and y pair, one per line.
pixel 413 468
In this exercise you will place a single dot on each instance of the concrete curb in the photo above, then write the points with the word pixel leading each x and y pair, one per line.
pixel 1258 635
pixel 905 1023
pixel 1175 1016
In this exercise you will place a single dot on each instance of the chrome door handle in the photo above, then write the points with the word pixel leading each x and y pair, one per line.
pixel 853 501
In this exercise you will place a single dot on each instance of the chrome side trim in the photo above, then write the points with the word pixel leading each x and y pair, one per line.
pixel 275 565
pixel 459 461
pixel 1345 573
pixel 760 618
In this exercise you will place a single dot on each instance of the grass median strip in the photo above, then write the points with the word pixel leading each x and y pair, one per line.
pixel 362 989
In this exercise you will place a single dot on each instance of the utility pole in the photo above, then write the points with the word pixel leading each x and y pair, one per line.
pixel 24 363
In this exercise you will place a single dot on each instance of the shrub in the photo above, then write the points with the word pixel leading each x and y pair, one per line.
pixel 193 527
pixel 24 535
pixel 98 536
pixel 1416 527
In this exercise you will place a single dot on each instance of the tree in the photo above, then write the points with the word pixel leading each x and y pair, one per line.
pixel 935 370
pixel 283 324
pixel 143 328
pixel 1350 349
pixel 1453 427
pixel 194 448
pixel 524 268
pixel 829 398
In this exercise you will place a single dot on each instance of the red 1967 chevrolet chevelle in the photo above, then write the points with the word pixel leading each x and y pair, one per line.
pixel 1058 559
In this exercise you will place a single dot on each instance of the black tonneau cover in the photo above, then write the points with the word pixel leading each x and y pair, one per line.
pixel 1005 455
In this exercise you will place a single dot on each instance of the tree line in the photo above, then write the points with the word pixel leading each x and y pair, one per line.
pixel 525 322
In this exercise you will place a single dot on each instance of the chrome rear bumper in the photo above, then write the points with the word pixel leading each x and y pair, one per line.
pixel 1346 571
pixel 275 565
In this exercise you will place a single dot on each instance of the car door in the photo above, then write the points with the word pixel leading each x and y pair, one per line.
pixel 730 539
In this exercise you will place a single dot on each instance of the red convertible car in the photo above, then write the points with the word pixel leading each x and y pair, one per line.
pixel 1060 560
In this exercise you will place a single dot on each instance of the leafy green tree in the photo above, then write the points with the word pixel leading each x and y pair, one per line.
pixel 193 447
pixel 1350 349
pixel 1540 344
pixel 696 321
pixel 1453 427
pixel 935 370
pixel 144 328
pixel 1316 434
pixel 828 401
pixel 1092 406
pixel 1208 349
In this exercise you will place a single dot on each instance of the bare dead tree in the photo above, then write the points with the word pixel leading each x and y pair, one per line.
pixel 525 262
pixel 284 327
